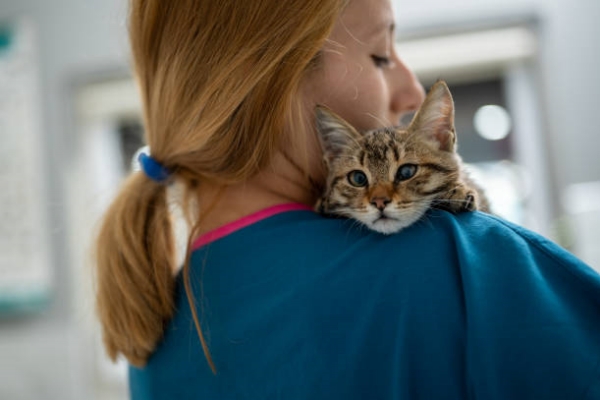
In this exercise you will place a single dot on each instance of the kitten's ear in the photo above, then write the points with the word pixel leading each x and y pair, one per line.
pixel 334 132
pixel 435 118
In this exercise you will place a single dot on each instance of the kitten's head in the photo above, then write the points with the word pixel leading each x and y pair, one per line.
pixel 387 178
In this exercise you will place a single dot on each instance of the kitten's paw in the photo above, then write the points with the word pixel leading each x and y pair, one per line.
pixel 470 203
pixel 460 198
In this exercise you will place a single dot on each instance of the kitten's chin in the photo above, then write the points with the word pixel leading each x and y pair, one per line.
pixel 386 226
pixel 389 225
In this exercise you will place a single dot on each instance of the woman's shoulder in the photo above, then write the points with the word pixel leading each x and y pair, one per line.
pixel 487 254
pixel 439 237
pixel 478 246
pixel 470 235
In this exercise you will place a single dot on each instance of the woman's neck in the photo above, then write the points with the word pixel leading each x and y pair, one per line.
pixel 282 182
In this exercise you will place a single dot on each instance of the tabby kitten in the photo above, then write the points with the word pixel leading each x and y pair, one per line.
pixel 387 178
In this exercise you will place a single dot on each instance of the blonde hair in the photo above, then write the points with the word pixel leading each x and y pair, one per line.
pixel 219 81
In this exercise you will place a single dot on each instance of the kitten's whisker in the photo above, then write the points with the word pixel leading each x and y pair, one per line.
pixel 355 141
pixel 352 138
pixel 383 122
pixel 356 224
pixel 428 220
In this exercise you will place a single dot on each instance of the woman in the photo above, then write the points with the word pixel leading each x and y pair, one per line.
pixel 275 301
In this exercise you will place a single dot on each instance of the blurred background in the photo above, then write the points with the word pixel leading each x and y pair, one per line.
pixel 524 75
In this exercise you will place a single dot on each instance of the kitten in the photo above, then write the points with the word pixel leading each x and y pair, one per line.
pixel 388 178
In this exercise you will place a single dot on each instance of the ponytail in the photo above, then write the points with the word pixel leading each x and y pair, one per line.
pixel 135 263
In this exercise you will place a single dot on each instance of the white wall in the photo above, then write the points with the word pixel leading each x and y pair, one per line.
pixel 42 357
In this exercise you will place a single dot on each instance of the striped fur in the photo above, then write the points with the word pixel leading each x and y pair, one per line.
pixel 388 202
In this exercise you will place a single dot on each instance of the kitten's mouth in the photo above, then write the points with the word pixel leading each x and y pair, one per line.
pixel 384 217
pixel 386 224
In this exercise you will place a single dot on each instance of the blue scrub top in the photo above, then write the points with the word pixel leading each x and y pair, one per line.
pixel 297 306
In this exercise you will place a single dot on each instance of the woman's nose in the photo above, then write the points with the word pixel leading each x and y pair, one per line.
pixel 408 93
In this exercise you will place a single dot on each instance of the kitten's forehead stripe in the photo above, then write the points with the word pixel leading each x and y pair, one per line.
pixel 441 187
pixel 394 148
pixel 438 167
pixel 362 157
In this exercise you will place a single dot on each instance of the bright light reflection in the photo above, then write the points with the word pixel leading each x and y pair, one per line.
pixel 492 122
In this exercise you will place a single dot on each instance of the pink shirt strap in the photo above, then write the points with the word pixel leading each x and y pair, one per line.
pixel 231 227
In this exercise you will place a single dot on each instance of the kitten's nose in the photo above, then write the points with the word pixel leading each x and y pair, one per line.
pixel 380 202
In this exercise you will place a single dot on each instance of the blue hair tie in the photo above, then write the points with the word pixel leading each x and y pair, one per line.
pixel 153 169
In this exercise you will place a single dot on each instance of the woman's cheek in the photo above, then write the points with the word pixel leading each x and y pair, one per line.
pixel 372 103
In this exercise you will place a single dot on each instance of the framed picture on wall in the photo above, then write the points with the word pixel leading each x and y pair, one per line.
pixel 25 266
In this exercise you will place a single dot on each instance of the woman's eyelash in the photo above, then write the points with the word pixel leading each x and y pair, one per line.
pixel 380 61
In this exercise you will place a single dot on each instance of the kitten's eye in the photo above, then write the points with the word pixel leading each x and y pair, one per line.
pixel 358 178
pixel 406 171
